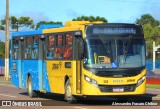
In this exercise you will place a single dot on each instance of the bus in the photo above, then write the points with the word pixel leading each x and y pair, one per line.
pixel 80 59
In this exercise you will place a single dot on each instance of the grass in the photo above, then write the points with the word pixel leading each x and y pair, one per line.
pixel 153 86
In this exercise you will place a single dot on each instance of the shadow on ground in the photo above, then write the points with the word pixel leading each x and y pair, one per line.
pixel 57 100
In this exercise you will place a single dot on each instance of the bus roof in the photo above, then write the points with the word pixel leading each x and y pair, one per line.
pixel 73 23
pixel 25 33
pixel 120 24
pixel 71 26
pixel 36 32
pixel 51 28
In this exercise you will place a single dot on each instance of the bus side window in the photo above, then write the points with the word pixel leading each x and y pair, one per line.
pixel 59 47
pixel 68 40
pixel 68 46
pixel 35 48
pixel 50 53
pixel 67 52
pixel 28 47
pixel 58 53
pixel 15 54
pixel 50 47
pixel 60 40
pixel 15 48
pixel 51 40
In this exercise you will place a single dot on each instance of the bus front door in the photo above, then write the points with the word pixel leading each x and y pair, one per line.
pixel 78 66
pixel 16 75
pixel 41 64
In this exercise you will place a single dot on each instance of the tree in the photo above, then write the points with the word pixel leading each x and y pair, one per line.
pixel 147 19
pixel 151 31
pixel 46 22
pixel 16 23
pixel 151 34
pixel 2 49
pixel 90 18
pixel 2 28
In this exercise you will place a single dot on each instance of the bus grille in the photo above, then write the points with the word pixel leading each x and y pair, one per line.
pixel 116 74
pixel 109 88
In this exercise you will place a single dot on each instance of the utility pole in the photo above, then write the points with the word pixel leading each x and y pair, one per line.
pixel 154 55
pixel 7 42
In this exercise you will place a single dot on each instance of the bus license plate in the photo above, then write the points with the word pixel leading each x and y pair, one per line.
pixel 118 89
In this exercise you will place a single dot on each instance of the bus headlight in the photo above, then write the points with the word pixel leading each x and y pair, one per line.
pixel 141 80
pixel 91 81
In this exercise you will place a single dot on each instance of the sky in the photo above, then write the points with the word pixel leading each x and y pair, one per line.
pixel 115 11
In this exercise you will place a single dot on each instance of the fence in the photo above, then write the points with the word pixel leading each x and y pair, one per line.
pixel 149 67
pixel 1 67
pixel 153 76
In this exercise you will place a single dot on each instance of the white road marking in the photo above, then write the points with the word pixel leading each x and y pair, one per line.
pixel 80 108
pixel 8 95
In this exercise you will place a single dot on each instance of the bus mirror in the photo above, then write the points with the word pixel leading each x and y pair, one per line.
pixel 81 48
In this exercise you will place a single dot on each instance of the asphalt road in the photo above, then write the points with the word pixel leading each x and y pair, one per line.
pixel 11 93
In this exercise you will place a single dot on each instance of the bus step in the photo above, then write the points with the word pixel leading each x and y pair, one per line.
pixel 43 91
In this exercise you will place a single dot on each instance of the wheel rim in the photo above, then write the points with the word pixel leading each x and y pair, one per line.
pixel 68 92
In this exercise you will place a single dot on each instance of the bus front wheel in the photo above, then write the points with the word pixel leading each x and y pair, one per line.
pixel 68 93
pixel 32 93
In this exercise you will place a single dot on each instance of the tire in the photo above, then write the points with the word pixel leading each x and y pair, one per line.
pixel 68 93
pixel 31 93
pixel 41 95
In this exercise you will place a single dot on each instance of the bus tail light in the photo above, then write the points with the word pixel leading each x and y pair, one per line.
pixel 141 80
pixel 91 81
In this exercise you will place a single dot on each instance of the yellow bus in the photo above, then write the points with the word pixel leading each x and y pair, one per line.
pixel 88 59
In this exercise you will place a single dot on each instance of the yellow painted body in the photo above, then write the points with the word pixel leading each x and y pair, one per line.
pixel 57 80
pixel 57 76
pixel 89 89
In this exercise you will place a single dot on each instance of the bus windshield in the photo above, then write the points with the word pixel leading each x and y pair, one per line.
pixel 114 52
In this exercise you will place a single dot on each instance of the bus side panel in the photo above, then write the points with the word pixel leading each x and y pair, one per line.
pixel 30 67
pixel 14 74
pixel 57 70
pixel 46 85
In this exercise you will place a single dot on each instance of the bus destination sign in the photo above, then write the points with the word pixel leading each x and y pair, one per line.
pixel 114 31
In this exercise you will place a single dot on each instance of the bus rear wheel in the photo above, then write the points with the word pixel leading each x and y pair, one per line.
pixel 68 93
pixel 31 93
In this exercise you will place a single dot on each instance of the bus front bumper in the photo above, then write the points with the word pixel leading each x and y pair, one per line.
pixel 103 90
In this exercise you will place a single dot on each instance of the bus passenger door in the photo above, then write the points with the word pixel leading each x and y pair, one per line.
pixel 41 64
pixel 16 75
pixel 78 65
pixel 21 46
